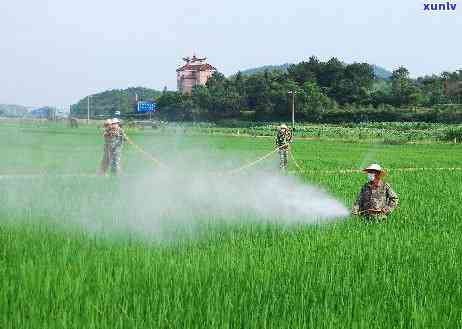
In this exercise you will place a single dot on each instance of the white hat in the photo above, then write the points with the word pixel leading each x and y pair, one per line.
pixel 373 166
pixel 115 120
pixel 283 126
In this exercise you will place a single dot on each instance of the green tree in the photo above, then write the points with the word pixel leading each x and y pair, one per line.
pixel 404 90
pixel 356 85
pixel 224 101
pixel 171 105
pixel 432 88
pixel 381 92
pixel 304 71
pixel 312 102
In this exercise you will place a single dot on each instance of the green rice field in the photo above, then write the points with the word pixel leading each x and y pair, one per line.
pixel 71 258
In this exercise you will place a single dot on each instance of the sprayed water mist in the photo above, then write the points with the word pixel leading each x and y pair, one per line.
pixel 192 190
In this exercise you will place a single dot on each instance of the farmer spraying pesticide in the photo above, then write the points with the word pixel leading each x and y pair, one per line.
pixel 107 147
pixel 113 140
pixel 376 199
pixel 283 138
pixel 118 136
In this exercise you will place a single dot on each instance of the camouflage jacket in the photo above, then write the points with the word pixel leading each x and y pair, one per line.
pixel 283 138
pixel 108 134
pixel 114 135
pixel 381 197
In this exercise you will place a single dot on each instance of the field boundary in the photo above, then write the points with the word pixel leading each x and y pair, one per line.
pixel 310 171
pixel 350 171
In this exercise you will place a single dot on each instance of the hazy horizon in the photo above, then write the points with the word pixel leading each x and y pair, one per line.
pixel 55 53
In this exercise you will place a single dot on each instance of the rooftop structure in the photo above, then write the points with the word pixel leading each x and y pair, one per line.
pixel 196 71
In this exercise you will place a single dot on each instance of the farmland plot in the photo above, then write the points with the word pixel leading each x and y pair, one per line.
pixel 70 256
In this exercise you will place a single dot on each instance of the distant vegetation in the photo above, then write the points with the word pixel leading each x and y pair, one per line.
pixel 386 132
pixel 379 72
pixel 329 91
pixel 266 68
pixel 15 111
pixel 10 110
pixel 107 102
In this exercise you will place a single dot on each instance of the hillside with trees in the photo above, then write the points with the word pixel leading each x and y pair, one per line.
pixel 379 72
pixel 108 102
pixel 266 68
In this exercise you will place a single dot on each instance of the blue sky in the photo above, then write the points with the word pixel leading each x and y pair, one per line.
pixel 54 52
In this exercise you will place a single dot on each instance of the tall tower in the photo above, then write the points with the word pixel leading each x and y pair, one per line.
pixel 196 71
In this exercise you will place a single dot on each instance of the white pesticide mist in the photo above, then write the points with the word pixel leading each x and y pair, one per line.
pixel 192 193
pixel 264 196
pixel 195 191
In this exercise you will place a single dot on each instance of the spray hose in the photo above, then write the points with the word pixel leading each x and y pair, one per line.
pixel 251 164
pixel 230 172
pixel 295 161
pixel 142 151
pixel 299 168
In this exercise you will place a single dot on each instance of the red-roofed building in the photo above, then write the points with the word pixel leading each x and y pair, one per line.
pixel 195 72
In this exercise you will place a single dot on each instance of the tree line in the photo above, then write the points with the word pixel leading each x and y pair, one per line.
pixel 324 91
pixel 329 91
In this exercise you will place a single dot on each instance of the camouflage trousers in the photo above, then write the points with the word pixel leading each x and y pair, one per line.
pixel 105 162
pixel 374 218
pixel 283 158
pixel 116 154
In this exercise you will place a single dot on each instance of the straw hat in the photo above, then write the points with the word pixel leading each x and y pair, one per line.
pixel 375 167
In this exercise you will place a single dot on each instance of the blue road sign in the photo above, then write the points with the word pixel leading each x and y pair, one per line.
pixel 144 107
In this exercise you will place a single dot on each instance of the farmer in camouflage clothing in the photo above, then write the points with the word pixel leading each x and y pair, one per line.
pixel 107 147
pixel 376 199
pixel 283 138
pixel 116 146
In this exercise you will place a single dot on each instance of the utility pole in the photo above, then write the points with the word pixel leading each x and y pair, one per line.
pixel 88 109
pixel 292 105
